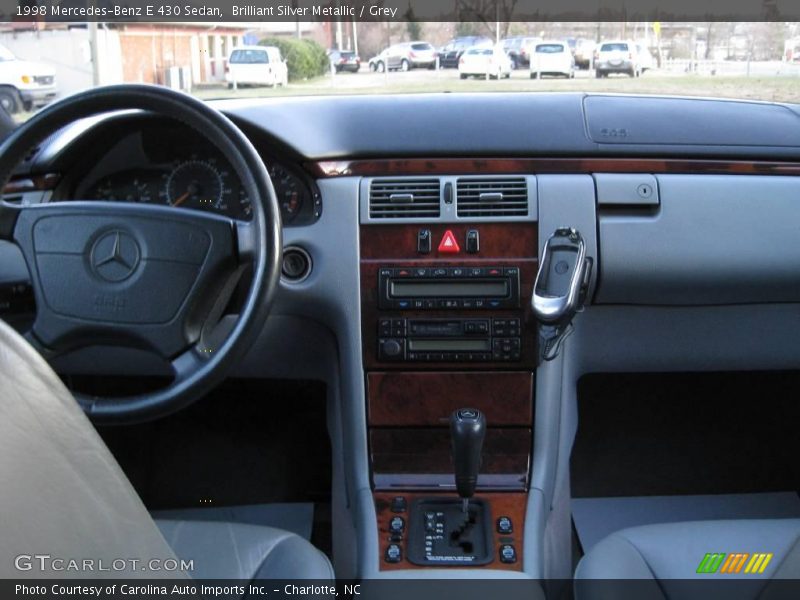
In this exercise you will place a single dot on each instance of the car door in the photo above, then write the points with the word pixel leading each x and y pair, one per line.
pixel 395 56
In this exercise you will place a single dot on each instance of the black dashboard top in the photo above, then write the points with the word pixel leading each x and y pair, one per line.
pixel 521 124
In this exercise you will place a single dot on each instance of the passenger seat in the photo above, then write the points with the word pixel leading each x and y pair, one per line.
pixel 664 557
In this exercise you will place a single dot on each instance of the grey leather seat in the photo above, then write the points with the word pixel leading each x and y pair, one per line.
pixel 664 557
pixel 64 496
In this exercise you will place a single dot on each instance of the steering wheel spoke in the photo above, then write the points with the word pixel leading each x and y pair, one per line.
pixel 152 277
pixel 187 363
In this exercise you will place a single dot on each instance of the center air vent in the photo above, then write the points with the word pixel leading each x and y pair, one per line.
pixel 492 197
pixel 404 198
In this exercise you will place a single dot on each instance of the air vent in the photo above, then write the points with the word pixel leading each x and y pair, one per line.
pixel 404 198
pixel 492 197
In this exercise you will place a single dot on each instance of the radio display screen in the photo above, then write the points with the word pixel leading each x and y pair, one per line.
pixel 449 289
pixel 452 345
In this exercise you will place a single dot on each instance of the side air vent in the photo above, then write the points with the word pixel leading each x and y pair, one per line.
pixel 404 198
pixel 492 197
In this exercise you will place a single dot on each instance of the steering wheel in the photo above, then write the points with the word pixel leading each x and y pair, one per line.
pixel 145 276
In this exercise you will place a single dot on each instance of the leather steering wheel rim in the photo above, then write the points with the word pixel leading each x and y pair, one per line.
pixel 257 243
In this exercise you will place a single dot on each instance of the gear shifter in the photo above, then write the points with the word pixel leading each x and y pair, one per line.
pixel 467 430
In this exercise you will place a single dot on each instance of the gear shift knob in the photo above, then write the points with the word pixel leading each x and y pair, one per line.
pixel 467 430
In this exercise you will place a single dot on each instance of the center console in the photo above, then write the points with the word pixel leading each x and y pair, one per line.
pixel 447 324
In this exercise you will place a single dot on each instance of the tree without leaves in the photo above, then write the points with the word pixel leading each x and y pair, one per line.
pixel 484 14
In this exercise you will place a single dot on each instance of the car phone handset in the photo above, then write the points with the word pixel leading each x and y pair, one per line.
pixel 560 286
pixel 467 431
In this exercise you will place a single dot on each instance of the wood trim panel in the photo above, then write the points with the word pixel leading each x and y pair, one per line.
pixel 400 454
pixel 510 505
pixel 486 166
pixel 35 183
pixel 501 244
pixel 411 398
pixel 508 241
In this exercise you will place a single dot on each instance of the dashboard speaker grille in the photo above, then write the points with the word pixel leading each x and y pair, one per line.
pixel 492 197
pixel 404 198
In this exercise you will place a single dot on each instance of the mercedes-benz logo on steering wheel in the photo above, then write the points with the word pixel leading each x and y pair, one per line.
pixel 115 256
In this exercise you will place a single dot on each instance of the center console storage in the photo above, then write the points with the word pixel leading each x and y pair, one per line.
pixel 445 330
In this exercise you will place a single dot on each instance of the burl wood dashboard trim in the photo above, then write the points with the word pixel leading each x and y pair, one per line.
pixel 407 399
pixel 508 504
pixel 498 166
pixel 501 244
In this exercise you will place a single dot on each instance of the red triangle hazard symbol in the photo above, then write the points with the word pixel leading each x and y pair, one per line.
pixel 449 243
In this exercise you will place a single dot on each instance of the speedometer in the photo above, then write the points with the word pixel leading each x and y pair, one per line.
pixel 196 184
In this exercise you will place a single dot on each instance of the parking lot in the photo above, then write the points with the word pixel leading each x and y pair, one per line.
pixel 763 81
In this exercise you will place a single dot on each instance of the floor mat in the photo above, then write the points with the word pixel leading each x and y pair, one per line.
pixel 596 518
pixel 297 517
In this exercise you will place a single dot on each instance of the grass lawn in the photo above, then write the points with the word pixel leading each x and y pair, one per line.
pixel 769 88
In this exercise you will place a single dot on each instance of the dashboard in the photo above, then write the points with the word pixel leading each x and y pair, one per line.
pixel 186 171
pixel 698 272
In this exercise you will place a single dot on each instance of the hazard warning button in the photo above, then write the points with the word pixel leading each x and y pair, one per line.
pixel 449 243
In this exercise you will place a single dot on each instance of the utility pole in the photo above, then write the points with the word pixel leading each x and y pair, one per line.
pixel 93 53
pixel 497 21
pixel 355 37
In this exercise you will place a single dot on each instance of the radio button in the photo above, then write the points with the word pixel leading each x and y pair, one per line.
pixel 421 272
pixel 439 272
pixel 456 272
pixel 384 327
pixel 476 272
pixel 429 304
pixel 494 271
pixel 419 304
pixel 511 270
pixel 467 304
pixel 390 349
pixel 402 273
pixel 403 304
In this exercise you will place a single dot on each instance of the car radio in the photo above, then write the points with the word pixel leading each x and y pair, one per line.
pixel 449 340
pixel 443 288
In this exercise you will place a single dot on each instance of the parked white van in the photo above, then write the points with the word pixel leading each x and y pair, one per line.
pixel 256 65
pixel 24 85
pixel 551 58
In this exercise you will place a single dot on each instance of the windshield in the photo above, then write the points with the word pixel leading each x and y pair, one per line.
pixel 614 48
pixel 249 57
pixel 6 54
pixel 263 59
pixel 549 48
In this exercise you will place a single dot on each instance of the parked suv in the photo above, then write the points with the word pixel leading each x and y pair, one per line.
pixel 405 56
pixel 617 56
pixel 451 52
pixel 256 65
pixel 344 60
pixel 24 84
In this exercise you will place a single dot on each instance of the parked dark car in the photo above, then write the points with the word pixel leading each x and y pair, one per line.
pixel 452 50
pixel 518 50
pixel 345 60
